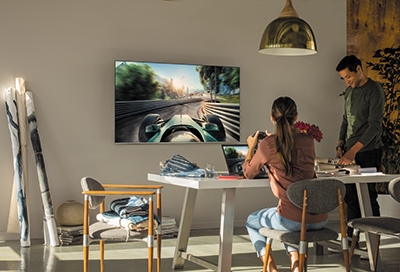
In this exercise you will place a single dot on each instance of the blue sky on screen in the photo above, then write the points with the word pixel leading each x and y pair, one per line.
pixel 182 74
pixel 241 149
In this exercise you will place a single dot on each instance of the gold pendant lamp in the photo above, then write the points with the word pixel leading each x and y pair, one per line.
pixel 288 35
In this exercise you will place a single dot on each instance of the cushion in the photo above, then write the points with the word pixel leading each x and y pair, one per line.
pixel 90 184
pixel 324 234
pixel 101 230
pixel 394 189
pixel 375 224
pixel 322 194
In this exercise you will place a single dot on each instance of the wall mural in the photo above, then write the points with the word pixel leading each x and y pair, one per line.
pixel 373 35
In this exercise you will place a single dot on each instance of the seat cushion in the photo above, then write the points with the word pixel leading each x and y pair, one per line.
pixel 374 224
pixel 101 230
pixel 324 234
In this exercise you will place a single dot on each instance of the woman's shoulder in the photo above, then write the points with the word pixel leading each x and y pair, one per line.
pixel 303 138
pixel 268 141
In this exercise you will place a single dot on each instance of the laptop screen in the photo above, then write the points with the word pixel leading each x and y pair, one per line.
pixel 234 155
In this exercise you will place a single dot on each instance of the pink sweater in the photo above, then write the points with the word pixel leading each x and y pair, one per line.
pixel 303 156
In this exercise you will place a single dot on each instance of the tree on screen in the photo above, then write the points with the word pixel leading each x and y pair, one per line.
pixel 135 82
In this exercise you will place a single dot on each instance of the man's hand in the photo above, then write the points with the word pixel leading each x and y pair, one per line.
pixel 339 152
pixel 349 157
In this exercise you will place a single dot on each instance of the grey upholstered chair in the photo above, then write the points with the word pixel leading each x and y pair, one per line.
pixel 95 194
pixel 388 226
pixel 318 195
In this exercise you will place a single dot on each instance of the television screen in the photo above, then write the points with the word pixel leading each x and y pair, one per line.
pixel 182 103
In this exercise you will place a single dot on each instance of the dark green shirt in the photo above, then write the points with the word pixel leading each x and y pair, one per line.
pixel 363 115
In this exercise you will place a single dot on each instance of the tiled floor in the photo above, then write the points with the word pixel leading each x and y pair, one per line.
pixel 203 243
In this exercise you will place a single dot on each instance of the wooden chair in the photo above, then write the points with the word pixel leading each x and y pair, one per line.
pixel 388 226
pixel 94 194
pixel 318 195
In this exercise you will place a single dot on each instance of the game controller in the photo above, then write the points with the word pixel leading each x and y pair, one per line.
pixel 261 135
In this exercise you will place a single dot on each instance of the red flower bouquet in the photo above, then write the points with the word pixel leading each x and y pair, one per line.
pixel 311 130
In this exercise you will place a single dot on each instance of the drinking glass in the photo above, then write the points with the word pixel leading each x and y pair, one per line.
pixel 210 170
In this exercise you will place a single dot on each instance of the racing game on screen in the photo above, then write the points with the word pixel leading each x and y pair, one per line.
pixel 176 103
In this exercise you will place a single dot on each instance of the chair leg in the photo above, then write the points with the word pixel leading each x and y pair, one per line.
pixel 85 258
pixel 345 248
pixel 268 245
pixel 150 261
pixel 158 252
pixel 378 240
pixel 159 234
pixel 354 239
pixel 150 235
pixel 101 256
pixel 303 236
pixel 343 232
pixel 302 255
pixel 102 209
pixel 86 234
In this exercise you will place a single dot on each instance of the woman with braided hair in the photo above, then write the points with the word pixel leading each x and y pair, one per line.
pixel 289 156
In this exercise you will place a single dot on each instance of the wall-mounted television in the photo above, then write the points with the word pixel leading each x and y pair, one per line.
pixel 176 103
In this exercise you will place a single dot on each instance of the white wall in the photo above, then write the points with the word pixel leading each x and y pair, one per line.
pixel 65 50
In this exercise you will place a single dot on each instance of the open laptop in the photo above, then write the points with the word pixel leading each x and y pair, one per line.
pixel 235 155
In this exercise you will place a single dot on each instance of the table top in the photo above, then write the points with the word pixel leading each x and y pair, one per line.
pixel 215 183
pixel 366 178
pixel 209 183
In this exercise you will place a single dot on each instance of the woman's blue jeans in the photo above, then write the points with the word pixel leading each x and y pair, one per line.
pixel 270 218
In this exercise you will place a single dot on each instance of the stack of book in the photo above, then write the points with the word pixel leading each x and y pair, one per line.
pixel 70 235
pixel 169 228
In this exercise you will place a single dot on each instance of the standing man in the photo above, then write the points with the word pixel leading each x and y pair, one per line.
pixel 360 133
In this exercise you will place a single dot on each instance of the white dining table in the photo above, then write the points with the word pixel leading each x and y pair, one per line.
pixel 193 185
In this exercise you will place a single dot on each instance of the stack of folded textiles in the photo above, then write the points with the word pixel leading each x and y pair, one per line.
pixel 130 213
pixel 169 228
pixel 70 235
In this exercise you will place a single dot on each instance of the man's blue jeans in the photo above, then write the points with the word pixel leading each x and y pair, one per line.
pixel 270 218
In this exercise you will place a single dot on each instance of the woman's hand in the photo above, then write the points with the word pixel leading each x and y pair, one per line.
pixel 252 140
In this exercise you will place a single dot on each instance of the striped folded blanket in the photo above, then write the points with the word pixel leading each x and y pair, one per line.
pixel 128 206
pixel 131 209
pixel 179 166
pixel 111 217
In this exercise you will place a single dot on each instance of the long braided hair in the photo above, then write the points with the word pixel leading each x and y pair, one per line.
pixel 284 111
